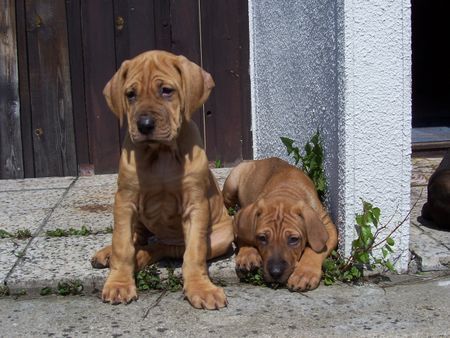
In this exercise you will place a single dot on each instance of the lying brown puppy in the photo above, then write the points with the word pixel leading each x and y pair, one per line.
pixel 282 225
pixel 437 208
pixel 165 188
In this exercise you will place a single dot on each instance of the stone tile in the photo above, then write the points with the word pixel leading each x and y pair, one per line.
pixel 418 199
pixel 432 254
pixel 48 261
pixel 95 198
pixel 441 236
pixel 96 180
pixel 76 217
pixel 9 250
pixel 422 169
pixel 21 220
pixel 84 206
pixel 36 183
pixel 221 175
pixel 19 201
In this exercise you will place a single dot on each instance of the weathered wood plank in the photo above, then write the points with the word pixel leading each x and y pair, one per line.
pixel 99 67
pixel 223 57
pixel 51 100
pixel 244 77
pixel 185 40
pixel 24 90
pixel 11 162
pixel 134 32
pixel 134 28
pixel 73 9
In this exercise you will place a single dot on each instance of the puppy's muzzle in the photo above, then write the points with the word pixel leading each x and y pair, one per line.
pixel 145 124
pixel 276 268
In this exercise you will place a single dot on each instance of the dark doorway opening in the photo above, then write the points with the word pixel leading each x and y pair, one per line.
pixel 430 74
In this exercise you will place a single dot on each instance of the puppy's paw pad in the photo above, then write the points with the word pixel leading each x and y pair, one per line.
pixel 304 280
pixel 248 261
pixel 116 292
pixel 101 258
pixel 209 297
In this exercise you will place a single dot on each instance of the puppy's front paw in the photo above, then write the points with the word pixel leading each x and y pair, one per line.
pixel 101 258
pixel 248 259
pixel 119 290
pixel 304 279
pixel 205 295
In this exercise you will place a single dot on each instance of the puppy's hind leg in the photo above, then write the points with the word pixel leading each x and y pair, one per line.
pixel 230 189
pixel 101 258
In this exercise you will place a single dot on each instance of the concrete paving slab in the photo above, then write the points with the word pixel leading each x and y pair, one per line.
pixel 96 180
pixel 94 198
pixel 422 169
pixel 429 243
pixel 84 206
pixel 24 219
pixel 97 220
pixel 432 254
pixel 221 175
pixel 419 308
pixel 18 201
pixel 48 261
pixel 36 183
pixel 9 251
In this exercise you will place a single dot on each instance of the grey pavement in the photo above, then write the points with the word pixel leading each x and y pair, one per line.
pixel 409 305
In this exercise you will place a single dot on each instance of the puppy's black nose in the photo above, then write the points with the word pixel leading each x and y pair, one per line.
pixel 276 268
pixel 145 124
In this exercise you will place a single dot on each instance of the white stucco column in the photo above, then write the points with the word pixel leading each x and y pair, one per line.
pixel 342 67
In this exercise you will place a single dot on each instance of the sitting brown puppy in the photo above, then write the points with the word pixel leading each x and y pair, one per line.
pixel 165 188
pixel 437 208
pixel 282 225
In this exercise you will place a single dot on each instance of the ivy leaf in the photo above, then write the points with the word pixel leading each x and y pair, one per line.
pixel 390 241
pixel 288 144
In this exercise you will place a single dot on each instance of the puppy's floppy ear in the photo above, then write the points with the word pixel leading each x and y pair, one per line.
pixel 196 86
pixel 245 223
pixel 315 229
pixel 113 91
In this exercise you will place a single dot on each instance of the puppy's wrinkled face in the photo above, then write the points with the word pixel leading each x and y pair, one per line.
pixel 280 237
pixel 280 229
pixel 153 106
pixel 157 91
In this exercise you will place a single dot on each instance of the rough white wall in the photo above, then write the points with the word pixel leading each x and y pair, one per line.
pixel 343 67
pixel 375 114
pixel 293 66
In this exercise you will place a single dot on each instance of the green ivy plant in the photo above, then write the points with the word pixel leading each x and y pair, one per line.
pixel 311 161
pixel 370 232
pixel 338 268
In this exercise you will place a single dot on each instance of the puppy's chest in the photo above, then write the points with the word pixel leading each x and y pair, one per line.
pixel 160 203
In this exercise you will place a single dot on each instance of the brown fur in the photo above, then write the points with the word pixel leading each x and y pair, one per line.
pixel 437 207
pixel 282 226
pixel 165 188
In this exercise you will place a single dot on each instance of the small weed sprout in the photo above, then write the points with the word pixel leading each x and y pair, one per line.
pixel 150 279
pixel 218 164
pixel 70 287
pixel 45 291
pixel 83 231
pixel 4 291
pixel 19 234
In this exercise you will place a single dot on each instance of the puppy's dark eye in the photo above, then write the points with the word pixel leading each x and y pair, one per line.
pixel 262 238
pixel 131 95
pixel 167 91
pixel 293 240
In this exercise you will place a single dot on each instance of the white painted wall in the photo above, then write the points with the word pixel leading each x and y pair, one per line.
pixel 343 67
